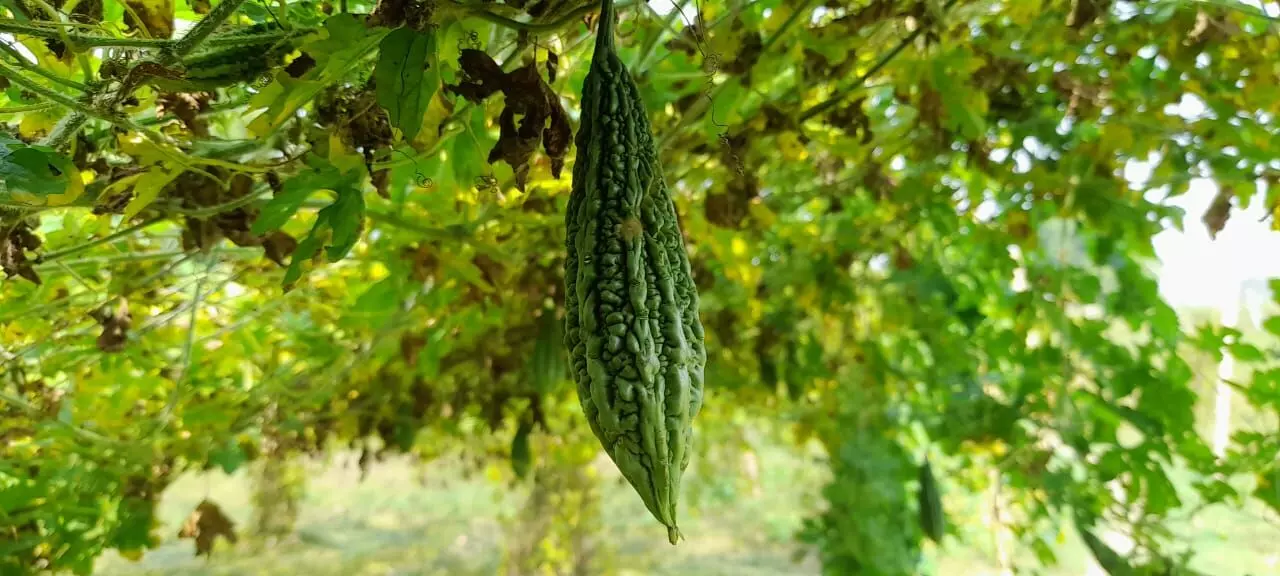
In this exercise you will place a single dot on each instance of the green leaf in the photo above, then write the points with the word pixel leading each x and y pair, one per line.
pixel 382 299
pixel 469 150
pixel 963 105
pixel 1268 489
pixel 346 217
pixel 296 190
pixel 306 250
pixel 406 77
pixel 36 170
pixel 1107 558
pixel 1272 325
pixel 1246 352
pixel 1164 11
pixel 229 457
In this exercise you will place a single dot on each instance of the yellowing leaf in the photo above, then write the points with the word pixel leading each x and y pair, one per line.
pixel 34 124
pixel 148 188
pixel 343 45
pixel 282 99
pixel 154 17
pixel 790 146
pixel 142 150
pixel 437 110
pixel 762 213
pixel 777 17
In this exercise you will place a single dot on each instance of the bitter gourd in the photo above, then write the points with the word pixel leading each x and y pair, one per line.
pixel 929 501
pixel 633 333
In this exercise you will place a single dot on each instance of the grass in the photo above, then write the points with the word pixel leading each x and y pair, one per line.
pixel 406 520
pixel 430 520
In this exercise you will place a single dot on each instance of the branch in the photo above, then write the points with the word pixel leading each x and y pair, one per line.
pixel 843 93
pixel 28 108
pixel 16 76
pixel 700 107
pixel 100 241
pixel 204 28
pixel 86 40
pixel 533 27
pixel 22 61
pixel 70 124
pixel 38 415
pixel 96 41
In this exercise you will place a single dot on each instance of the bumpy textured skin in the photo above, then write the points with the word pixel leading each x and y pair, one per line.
pixel 633 333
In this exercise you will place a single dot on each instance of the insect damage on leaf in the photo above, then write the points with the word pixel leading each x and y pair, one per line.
pixel 543 118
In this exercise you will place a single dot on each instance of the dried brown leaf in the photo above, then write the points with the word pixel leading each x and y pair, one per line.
pixel 156 17
pixel 279 246
pixel 1215 218
pixel 115 322
pixel 14 244
pixel 205 524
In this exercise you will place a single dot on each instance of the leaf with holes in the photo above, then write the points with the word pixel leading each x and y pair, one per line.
pixel 342 221
pixel 36 175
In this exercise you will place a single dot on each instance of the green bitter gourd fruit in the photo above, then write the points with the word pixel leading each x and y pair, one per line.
pixel 929 501
pixel 632 329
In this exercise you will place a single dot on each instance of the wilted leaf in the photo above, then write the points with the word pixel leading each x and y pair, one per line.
pixel 156 17
pixel 542 118
pixel 16 240
pixel 1215 218
pixel 205 524
pixel 116 321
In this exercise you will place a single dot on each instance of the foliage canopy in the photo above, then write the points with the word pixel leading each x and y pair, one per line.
pixel 241 229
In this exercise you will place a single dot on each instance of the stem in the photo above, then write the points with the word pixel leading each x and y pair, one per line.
pixel 27 108
pixel 86 40
pixel 703 104
pixel 205 27
pixel 22 61
pixel 207 211
pixel 843 93
pixel 651 47
pixel 100 241
pixel 531 27
pixel 16 76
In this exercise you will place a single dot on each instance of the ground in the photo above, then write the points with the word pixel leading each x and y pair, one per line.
pixel 406 520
